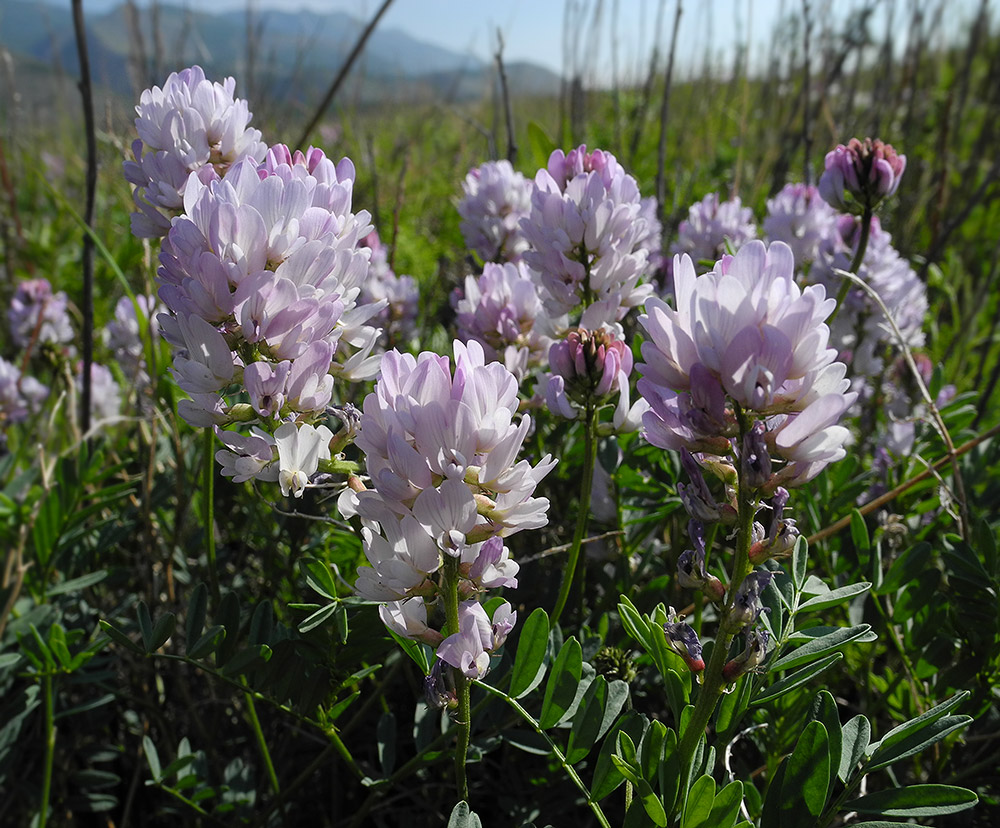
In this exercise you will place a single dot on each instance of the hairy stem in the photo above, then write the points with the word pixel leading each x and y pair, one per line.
pixel 713 682
pixel 208 490
pixel 50 748
pixel 859 256
pixel 261 742
pixel 464 713
pixel 583 515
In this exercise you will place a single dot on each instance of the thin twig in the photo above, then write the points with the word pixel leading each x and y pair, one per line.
pixel 88 213
pixel 508 111
pixel 342 74
pixel 942 429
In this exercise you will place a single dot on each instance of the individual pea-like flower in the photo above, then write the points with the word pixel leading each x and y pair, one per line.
pixel 747 606
pixel 190 125
pixel 247 456
pixel 586 233
pixel 496 199
pixel 300 448
pixel 754 652
pixel 652 238
pixel 20 395
pixel 691 571
pixel 779 539
pixel 697 497
pixel 37 315
pixel 745 335
pixel 409 619
pixel 800 218
pixel 713 225
pixel 468 650
pixel 105 395
pixel 860 175
pixel 683 640
pixel 502 311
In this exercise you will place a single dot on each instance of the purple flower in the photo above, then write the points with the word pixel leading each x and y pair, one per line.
pixel 20 395
pixel 502 311
pixel 36 314
pixel 496 199
pixel 249 456
pixel 747 606
pixel 586 232
pixel 191 125
pixel 753 654
pixel 105 396
pixel 710 225
pixel 124 339
pixel 800 218
pixel 300 448
pixel 409 619
pixel 748 333
pixel 858 176
pixel 691 571
pixel 399 296
pixel 683 640
pixel 468 649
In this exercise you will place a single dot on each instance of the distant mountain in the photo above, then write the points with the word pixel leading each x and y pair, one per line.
pixel 296 54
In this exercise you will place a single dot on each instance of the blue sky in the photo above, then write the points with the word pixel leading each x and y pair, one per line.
pixel 533 29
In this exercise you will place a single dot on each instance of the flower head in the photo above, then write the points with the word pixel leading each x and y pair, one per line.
pixel 36 314
pixel 711 225
pixel 858 176
pixel 496 199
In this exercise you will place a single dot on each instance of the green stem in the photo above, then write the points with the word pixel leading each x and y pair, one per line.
pixel 464 714
pixel 50 748
pixel 713 682
pixel 560 757
pixel 261 741
pixel 208 489
pixel 583 515
pixel 859 256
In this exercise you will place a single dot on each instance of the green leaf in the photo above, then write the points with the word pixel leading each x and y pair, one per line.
pixel 669 771
pixel 651 802
pixel 650 750
pixel 899 742
pixel 9 659
pixel 915 801
pixel 462 817
pixel 317 618
pixel 229 617
pixel 529 662
pixel 726 809
pixel 341 706
pixel 833 597
pixel 698 808
pixel 162 630
pixel 208 643
pixel 914 742
pixel 800 561
pixel 561 688
pixel 824 709
pixel 796 679
pixel 606 776
pixel 262 623
pixel 817 647
pixel 57 644
pixel 855 735
pixel 859 531
pixel 194 623
pixel 152 757
pixel 145 626
pixel 414 649
pixel 75 584
pixel 119 637
pixel 588 720
pixel 385 737
pixel 319 576
pixel 635 625
pixel 807 779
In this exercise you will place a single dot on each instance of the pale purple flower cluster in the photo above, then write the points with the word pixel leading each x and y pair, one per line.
pixel 711 225
pixel 123 336
pixel 861 332
pixel 589 239
pixel 858 176
pixel 501 310
pixel 105 395
pixel 496 199
pixel 191 125
pixel 20 395
pixel 262 274
pixel 399 296
pixel 441 453
pixel 37 315
pixel 800 218
pixel 745 335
